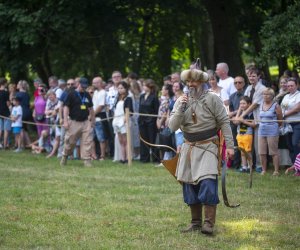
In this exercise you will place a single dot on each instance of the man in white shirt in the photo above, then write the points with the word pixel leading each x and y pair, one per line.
pixel 255 92
pixel 225 81
pixel 99 100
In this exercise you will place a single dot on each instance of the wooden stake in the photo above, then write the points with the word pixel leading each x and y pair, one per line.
pixel 128 135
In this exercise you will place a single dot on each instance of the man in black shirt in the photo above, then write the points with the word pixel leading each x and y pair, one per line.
pixel 5 123
pixel 78 107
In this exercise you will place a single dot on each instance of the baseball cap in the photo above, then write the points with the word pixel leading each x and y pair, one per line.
pixel 83 82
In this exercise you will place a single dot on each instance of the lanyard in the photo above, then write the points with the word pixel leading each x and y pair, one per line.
pixel 81 98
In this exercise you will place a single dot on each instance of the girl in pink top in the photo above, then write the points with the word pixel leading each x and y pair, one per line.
pixel 39 109
pixel 295 167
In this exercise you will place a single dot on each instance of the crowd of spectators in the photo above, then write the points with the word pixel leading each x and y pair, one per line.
pixel 75 119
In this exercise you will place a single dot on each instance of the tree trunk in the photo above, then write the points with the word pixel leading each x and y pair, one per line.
pixel 226 34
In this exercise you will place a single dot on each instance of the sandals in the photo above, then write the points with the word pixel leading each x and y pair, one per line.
pixel 275 173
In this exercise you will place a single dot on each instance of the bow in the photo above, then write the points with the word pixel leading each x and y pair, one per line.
pixel 251 167
pixel 224 167
pixel 158 145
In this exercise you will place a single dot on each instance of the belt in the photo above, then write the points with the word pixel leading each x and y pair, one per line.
pixel 200 136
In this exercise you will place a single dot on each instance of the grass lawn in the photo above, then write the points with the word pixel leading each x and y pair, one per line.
pixel 112 206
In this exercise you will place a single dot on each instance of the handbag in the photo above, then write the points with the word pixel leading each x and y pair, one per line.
pixel 40 118
pixel 285 129
pixel 166 137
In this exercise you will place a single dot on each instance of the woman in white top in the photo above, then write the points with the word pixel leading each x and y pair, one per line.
pixel 291 112
pixel 219 91
pixel 119 124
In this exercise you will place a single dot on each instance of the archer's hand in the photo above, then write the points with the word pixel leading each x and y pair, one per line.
pixel 229 153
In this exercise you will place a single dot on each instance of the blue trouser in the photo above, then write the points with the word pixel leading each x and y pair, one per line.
pixel 294 141
pixel 205 192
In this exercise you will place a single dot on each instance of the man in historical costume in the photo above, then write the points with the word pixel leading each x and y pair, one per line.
pixel 200 115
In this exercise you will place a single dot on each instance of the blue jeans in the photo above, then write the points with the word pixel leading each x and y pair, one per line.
pixel 99 132
pixel 294 141
pixel 5 124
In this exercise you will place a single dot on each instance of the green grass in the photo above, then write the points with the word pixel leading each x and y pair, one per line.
pixel 112 206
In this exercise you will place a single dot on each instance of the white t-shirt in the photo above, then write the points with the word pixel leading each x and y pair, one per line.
pixel 99 99
pixel 290 101
pixel 17 111
pixel 228 85
pixel 111 96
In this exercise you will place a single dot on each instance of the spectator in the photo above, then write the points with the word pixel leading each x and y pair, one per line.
pixel 284 155
pixel 5 122
pixel 234 103
pixel 163 113
pixel 36 84
pixel 123 101
pixel 147 125
pixel 39 109
pixel 24 98
pixel 291 113
pixel 101 127
pixel 268 131
pixel 255 91
pixel 70 86
pixel 79 107
pixel 136 90
pixel 111 98
pixel 245 125
pixel 54 86
pixel 219 91
pixel 178 91
pixel 12 89
pixel 226 81
pixel 16 117
pixel 51 112
pixel 295 167
pixel 175 77
pixel 42 144
pixel 283 89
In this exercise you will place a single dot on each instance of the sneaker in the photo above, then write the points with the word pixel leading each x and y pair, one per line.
pixel 276 173
pixel 87 163
pixel 1 146
pixel 263 172
pixel 18 150
pixel 258 169
pixel 159 165
pixel 242 170
pixel 137 158
pixel 63 160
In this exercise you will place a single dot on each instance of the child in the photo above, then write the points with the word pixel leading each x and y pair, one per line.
pixel 42 144
pixel 16 117
pixel 295 167
pixel 245 133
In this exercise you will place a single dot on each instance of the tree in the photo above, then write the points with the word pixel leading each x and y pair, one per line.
pixel 281 36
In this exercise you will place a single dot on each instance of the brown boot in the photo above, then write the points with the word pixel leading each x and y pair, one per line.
pixel 209 220
pixel 196 213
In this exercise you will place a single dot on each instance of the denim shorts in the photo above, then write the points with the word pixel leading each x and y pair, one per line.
pixel 179 138
pixel 5 124
pixel 16 130
pixel 99 132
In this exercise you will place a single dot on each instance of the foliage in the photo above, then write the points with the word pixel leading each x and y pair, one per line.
pixel 112 206
pixel 153 38
pixel 281 35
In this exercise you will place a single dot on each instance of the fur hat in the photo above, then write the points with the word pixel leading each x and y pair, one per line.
pixel 194 75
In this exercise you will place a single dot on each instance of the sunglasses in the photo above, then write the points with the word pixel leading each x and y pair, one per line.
pixel 91 92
